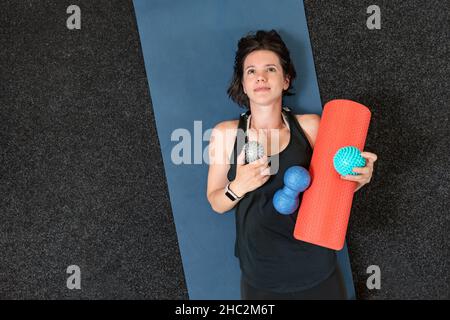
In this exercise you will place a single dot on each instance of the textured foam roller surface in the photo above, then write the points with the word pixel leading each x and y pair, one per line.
pixel 326 205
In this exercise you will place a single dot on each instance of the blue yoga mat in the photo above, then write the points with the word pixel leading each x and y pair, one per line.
pixel 189 49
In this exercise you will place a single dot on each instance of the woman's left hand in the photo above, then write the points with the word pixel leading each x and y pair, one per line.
pixel 365 173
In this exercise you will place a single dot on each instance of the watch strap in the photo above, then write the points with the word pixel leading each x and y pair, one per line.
pixel 230 194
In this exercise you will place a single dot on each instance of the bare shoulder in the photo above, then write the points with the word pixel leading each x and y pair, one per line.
pixel 310 125
pixel 228 124
pixel 227 129
pixel 308 119
pixel 223 137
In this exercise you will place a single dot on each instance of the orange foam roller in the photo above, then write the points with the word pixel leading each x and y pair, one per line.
pixel 325 208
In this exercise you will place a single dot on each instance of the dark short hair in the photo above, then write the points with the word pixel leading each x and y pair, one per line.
pixel 261 40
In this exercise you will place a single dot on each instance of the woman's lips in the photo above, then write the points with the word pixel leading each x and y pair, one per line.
pixel 262 89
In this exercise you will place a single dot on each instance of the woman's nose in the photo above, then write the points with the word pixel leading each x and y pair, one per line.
pixel 261 77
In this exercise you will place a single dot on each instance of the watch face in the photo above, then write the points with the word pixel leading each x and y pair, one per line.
pixel 229 195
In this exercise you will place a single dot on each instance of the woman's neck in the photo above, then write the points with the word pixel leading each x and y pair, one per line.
pixel 266 118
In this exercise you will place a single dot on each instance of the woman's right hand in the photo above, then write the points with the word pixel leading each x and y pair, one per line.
pixel 250 176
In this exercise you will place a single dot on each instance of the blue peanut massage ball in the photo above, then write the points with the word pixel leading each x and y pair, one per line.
pixel 346 159
pixel 296 180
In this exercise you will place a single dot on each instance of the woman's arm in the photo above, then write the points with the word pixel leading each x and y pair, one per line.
pixel 220 147
pixel 310 125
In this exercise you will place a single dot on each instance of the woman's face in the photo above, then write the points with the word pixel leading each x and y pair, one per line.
pixel 263 78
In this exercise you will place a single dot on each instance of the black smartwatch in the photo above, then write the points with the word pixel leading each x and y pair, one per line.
pixel 230 194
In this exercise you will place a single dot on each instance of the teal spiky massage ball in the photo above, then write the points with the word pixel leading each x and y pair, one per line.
pixel 346 159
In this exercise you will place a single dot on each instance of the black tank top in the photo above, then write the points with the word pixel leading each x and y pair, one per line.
pixel 270 257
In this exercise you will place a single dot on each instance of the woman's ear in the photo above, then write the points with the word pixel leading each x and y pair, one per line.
pixel 287 81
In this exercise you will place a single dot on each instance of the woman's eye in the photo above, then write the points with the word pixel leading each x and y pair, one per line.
pixel 271 69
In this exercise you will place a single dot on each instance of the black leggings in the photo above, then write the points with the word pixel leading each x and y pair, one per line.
pixel 332 288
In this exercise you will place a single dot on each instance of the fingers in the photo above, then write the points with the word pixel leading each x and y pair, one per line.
pixel 364 174
pixel 359 178
pixel 371 157
pixel 362 170
pixel 265 171
pixel 241 158
pixel 262 160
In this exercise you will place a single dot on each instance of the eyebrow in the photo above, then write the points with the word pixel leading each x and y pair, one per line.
pixel 267 65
